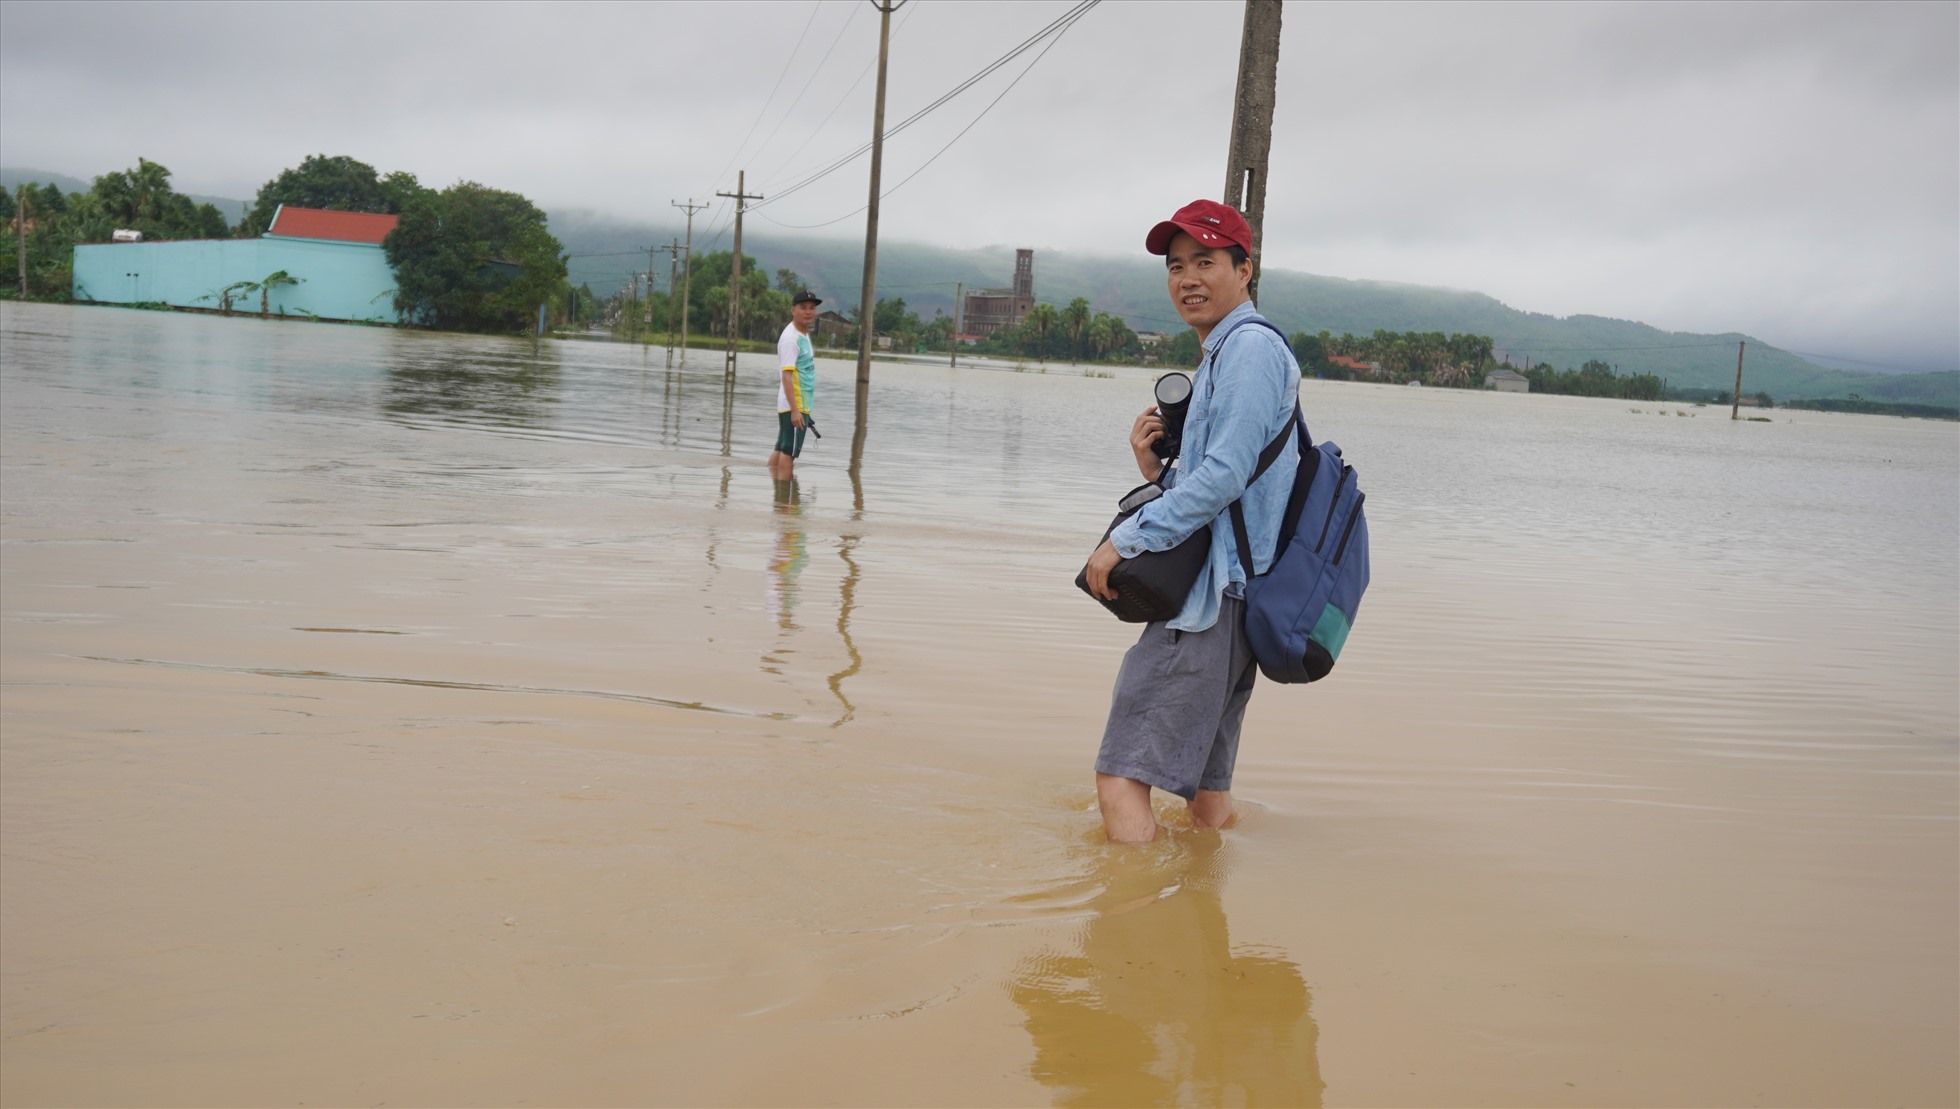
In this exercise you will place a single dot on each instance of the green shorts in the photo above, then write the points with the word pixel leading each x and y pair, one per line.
pixel 789 437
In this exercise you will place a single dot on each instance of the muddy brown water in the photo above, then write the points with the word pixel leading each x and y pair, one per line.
pixel 413 719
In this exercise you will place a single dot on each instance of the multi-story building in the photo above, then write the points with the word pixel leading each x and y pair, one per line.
pixel 988 311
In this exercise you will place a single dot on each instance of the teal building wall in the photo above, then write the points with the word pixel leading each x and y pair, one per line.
pixel 338 281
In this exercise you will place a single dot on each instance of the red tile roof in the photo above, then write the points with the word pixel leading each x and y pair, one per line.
pixel 346 227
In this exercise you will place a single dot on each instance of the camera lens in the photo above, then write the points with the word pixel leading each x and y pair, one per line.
pixel 1173 399
pixel 1173 389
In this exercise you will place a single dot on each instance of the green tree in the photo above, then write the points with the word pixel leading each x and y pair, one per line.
pixel 1310 351
pixel 139 199
pixel 473 258
pixel 338 183
pixel 1074 319
pixel 1037 326
pixel 889 316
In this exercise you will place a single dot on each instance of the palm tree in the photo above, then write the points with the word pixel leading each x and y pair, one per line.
pixel 1102 334
pixel 1039 322
pixel 1075 317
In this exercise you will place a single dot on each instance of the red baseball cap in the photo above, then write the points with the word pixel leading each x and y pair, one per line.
pixel 1208 221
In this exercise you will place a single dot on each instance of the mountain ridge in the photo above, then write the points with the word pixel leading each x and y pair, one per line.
pixel 605 250
pixel 1134 289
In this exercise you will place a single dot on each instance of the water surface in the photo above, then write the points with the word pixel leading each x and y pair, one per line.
pixel 427 719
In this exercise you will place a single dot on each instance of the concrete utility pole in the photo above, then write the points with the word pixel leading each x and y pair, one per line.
pixel 687 267
pixel 673 251
pixel 741 196
pixel 959 306
pixel 1735 406
pixel 20 237
pixel 1252 121
pixel 651 251
pixel 867 303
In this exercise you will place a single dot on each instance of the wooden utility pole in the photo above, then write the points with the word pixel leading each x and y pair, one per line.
pixel 867 303
pixel 959 306
pixel 1252 121
pixel 741 196
pixel 1735 405
pixel 687 267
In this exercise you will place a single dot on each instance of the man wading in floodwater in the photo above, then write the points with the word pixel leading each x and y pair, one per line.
pixel 1182 690
pixel 799 381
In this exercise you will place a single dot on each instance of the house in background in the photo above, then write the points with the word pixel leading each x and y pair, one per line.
pixel 1507 381
pixel 833 329
pixel 1355 368
pixel 336 258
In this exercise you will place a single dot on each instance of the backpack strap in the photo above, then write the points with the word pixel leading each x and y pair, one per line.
pixel 1296 501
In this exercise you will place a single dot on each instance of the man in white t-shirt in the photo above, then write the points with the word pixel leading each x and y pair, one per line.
pixel 799 364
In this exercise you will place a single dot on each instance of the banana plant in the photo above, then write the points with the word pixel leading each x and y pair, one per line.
pixel 272 281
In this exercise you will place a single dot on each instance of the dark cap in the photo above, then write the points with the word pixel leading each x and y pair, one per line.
pixel 1211 223
pixel 805 297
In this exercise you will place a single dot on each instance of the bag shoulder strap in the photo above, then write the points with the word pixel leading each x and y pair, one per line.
pixel 1266 457
pixel 1296 500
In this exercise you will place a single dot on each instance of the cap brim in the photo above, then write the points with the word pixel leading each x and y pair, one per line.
pixel 1159 239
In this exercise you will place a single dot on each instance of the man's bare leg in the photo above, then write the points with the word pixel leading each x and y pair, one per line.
pixel 1212 809
pixel 1126 812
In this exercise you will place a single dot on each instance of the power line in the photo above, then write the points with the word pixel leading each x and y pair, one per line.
pixel 811 134
pixel 1858 362
pixel 1060 24
pixel 780 74
pixel 850 13
pixel 949 143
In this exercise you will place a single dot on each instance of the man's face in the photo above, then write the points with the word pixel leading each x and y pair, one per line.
pixel 1204 284
pixel 804 314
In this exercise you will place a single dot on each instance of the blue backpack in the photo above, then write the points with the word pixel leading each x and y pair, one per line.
pixel 1299 612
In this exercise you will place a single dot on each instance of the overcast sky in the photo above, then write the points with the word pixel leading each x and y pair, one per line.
pixel 1791 171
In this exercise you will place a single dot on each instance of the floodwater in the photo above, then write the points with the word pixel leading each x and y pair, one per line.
pixel 416 719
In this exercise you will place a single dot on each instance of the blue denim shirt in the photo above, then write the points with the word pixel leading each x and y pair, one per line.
pixel 1240 399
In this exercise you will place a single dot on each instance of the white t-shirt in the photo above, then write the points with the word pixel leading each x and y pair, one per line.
pixel 794 353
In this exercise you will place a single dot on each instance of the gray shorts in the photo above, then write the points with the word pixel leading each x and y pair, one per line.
pixel 1180 700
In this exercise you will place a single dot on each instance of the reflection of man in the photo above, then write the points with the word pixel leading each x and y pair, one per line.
pixel 1159 1010
pixel 1182 690
pixel 799 364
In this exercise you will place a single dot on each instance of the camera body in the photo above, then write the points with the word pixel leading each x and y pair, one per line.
pixel 1173 391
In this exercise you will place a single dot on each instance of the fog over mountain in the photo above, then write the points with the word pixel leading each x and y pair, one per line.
pixel 1786 170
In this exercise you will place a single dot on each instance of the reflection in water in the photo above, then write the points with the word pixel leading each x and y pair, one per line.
pixel 786 565
pixel 857 462
pixel 727 413
pixel 846 598
pixel 428 379
pixel 791 557
pixel 672 394
pixel 1158 1009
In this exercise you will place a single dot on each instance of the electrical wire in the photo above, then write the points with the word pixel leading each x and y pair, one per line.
pixel 780 74
pixel 783 118
pixel 1857 362
pixel 814 131
pixel 1061 23
pixel 949 143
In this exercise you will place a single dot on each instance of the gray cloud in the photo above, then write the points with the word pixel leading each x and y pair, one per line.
pixel 1788 170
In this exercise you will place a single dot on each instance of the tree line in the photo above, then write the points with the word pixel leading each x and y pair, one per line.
pixel 466 258
pixel 1453 361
